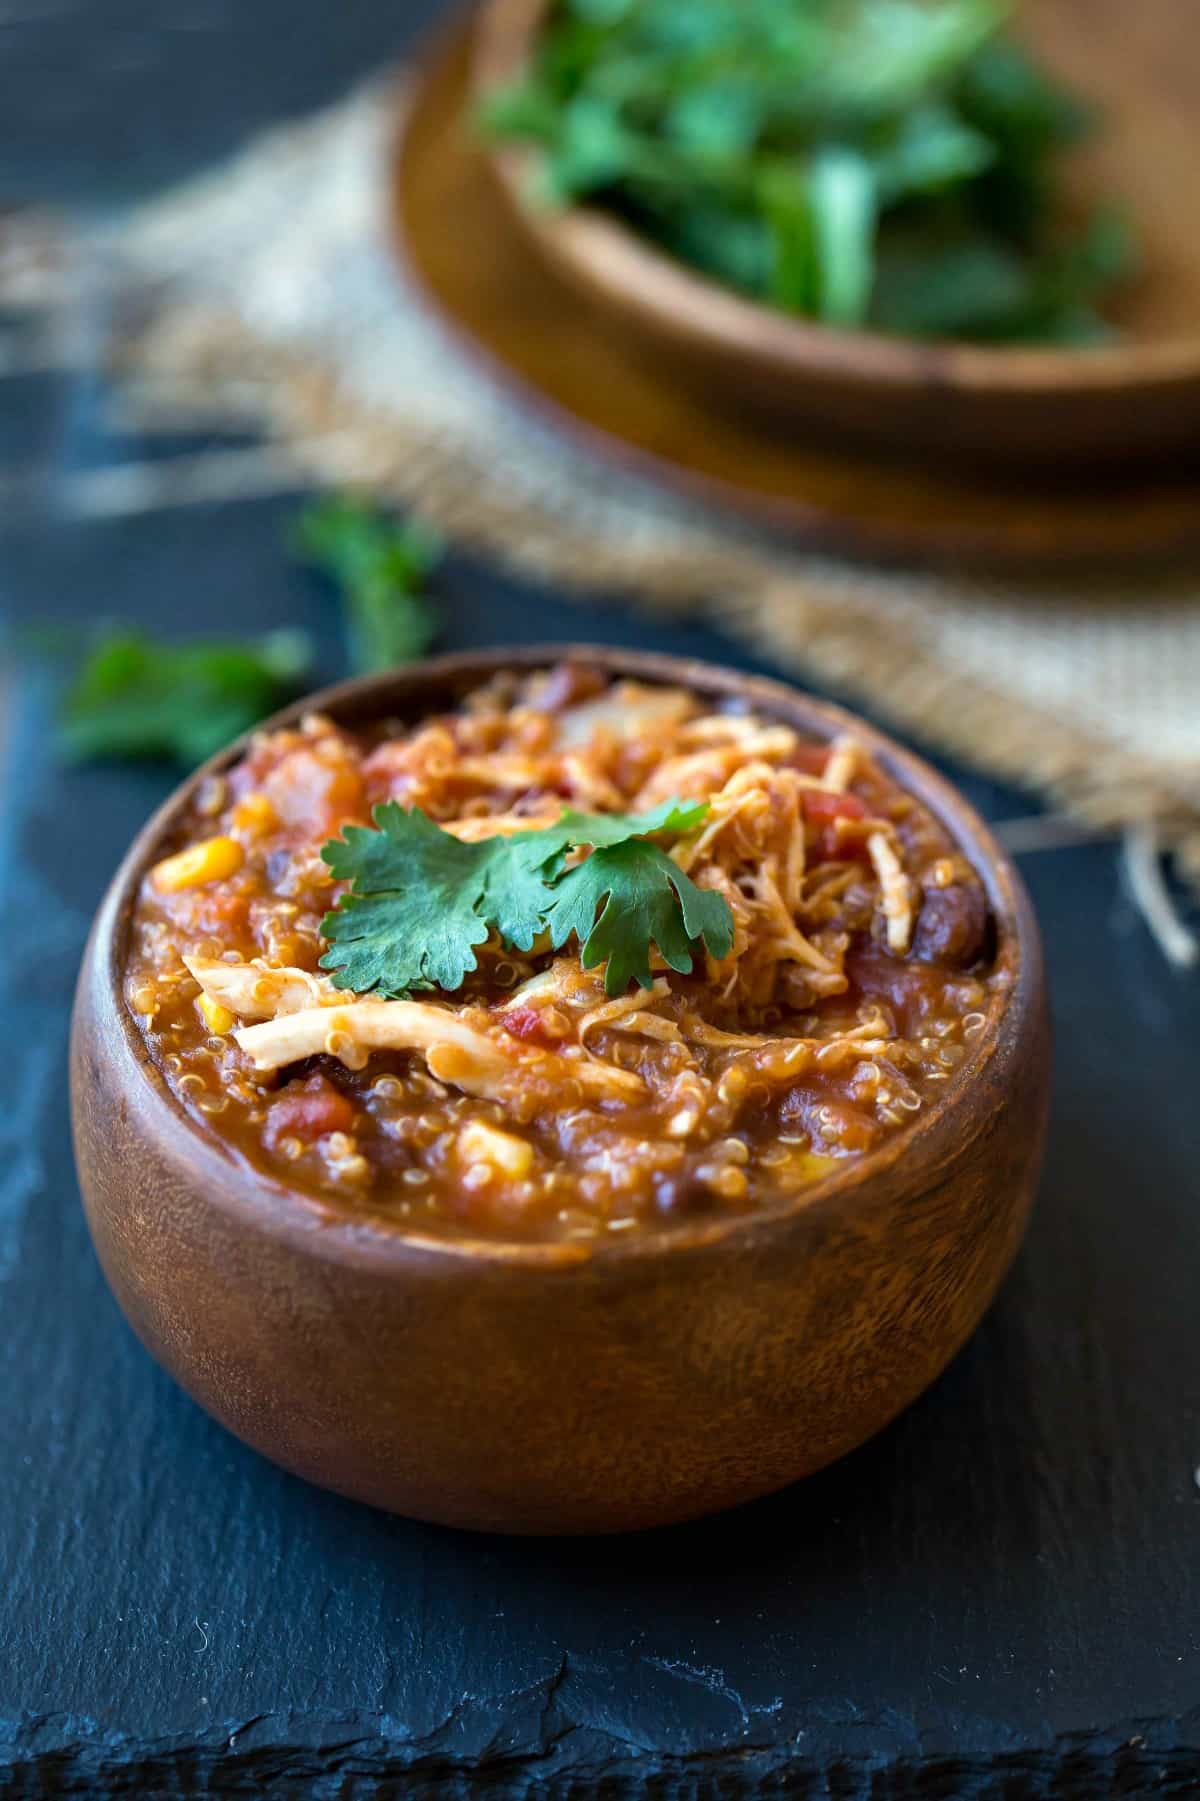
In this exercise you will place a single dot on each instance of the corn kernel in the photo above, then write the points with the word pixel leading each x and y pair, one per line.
pixel 254 815
pixel 507 1155
pixel 210 861
pixel 217 1018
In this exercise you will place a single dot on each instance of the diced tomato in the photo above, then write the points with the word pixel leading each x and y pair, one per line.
pixel 526 1023
pixel 227 910
pixel 316 790
pixel 220 912
pixel 308 1110
pixel 824 809
pixel 809 759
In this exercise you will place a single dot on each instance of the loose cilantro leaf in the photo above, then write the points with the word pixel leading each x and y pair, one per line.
pixel 138 698
pixel 381 566
pixel 421 902
pixel 785 146
pixel 643 899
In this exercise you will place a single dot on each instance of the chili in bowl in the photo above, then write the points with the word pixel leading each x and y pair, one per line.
pixel 560 1092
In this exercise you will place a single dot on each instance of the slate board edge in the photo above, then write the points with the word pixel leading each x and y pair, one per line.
pixel 530 1746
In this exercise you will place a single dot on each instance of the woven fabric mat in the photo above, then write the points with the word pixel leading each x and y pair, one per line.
pixel 268 291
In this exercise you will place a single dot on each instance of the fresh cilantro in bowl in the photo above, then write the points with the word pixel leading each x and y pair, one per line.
pixel 888 164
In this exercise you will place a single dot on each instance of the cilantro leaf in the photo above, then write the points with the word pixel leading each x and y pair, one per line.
pixel 421 901
pixel 516 870
pixel 678 817
pixel 411 919
pixel 513 873
pixel 644 899
pixel 381 566
pixel 135 697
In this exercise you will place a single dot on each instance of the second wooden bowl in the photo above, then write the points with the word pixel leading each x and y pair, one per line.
pixel 552 1387
pixel 1136 399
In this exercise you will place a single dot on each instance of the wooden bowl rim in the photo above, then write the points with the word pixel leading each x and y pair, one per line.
pixel 312 1225
pixel 611 258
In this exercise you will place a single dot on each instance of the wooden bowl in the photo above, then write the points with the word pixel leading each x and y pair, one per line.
pixel 1136 399
pixel 559 1387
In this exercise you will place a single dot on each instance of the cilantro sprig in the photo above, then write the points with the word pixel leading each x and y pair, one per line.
pixel 136 697
pixel 421 901
pixel 381 565
pixel 133 696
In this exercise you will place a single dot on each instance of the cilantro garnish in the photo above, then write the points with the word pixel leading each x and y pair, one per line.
pixel 421 901
pixel 645 899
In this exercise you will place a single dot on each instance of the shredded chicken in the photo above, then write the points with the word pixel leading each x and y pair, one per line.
pixel 622 1009
pixel 479 1063
pixel 843 762
pixel 625 710
pixel 479 826
pixel 895 892
pixel 256 991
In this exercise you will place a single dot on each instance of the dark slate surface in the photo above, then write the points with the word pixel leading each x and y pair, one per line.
pixel 998 1598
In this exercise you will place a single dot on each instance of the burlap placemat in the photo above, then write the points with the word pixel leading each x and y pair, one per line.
pixel 268 291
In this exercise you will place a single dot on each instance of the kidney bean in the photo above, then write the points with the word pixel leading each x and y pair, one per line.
pixel 951 925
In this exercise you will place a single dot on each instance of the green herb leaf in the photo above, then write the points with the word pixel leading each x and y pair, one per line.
pixel 411 920
pixel 627 897
pixel 787 203
pixel 788 147
pixel 842 196
pixel 381 566
pixel 592 150
pixel 138 698
pixel 929 151
pixel 981 288
pixel 421 901
pixel 1005 94
pixel 676 817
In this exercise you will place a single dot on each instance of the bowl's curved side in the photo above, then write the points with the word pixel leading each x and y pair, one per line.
pixel 604 1394
pixel 534 1389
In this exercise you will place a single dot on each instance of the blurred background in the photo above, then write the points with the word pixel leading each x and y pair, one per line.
pixel 182 375
pixel 105 99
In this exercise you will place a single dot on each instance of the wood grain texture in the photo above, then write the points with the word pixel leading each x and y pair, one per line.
pixel 553 1387
pixel 563 359
pixel 1039 406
